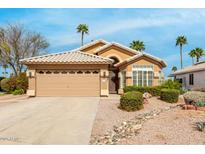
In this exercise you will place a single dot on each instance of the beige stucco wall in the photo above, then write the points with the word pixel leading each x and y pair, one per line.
pixel 104 73
pixel 92 48
pixel 142 61
pixel 116 52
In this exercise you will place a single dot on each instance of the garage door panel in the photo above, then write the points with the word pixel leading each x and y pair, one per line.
pixel 68 84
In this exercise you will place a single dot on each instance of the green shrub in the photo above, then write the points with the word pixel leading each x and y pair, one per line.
pixel 22 82
pixel 170 84
pixel 200 104
pixel 131 101
pixel 5 85
pixel 18 92
pixel 154 91
pixel 169 95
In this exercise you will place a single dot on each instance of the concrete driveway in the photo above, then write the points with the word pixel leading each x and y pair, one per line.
pixel 48 120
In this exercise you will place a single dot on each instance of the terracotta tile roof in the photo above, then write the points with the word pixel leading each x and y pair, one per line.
pixel 195 68
pixel 71 57
pixel 140 55
pixel 118 45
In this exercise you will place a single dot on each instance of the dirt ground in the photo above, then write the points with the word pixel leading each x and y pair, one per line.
pixel 171 127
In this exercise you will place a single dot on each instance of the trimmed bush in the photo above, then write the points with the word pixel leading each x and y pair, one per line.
pixel 154 91
pixel 131 101
pixel 5 85
pixel 18 92
pixel 169 95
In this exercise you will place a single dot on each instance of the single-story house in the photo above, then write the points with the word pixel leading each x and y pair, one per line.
pixel 95 69
pixel 192 77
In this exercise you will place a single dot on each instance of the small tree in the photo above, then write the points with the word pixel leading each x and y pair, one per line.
pixel 17 43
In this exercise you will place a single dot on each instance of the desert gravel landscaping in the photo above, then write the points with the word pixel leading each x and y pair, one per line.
pixel 172 126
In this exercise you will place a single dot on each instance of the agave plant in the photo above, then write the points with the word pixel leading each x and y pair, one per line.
pixel 200 126
pixel 200 103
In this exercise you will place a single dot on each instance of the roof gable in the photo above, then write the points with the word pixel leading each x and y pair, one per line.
pixel 93 43
pixel 141 55
pixel 67 58
pixel 103 48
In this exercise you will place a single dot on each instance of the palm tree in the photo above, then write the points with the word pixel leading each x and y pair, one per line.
pixel 174 68
pixel 83 29
pixel 180 41
pixel 199 52
pixel 192 55
pixel 137 45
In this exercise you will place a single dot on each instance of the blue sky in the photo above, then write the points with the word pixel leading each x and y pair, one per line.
pixel 158 28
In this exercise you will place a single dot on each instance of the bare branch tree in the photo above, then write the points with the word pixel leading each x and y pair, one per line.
pixel 17 43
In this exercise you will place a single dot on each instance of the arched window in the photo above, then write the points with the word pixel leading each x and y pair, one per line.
pixel 79 72
pixel 63 72
pixel 48 72
pixel 56 72
pixel 95 72
pixel 72 72
pixel 41 72
pixel 87 72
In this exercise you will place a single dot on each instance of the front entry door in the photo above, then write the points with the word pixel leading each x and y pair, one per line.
pixel 113 82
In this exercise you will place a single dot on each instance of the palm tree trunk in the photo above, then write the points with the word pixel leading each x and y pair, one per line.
pixel 192 60
pixel 5 72
pixel 82 35
pixel 197 59
pixel 181 56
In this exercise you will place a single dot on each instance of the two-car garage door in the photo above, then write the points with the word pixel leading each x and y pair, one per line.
pixel 67 83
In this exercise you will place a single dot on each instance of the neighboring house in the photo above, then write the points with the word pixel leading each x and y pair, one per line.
pixel 192 77
pixel 95 69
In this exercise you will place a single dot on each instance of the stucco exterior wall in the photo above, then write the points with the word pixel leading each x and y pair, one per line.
pixel 199 80
pixel 92 48
pixel 115 52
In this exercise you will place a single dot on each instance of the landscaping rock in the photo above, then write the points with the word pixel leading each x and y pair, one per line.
pixel 147 95
pixel 191 97
pixel 129 128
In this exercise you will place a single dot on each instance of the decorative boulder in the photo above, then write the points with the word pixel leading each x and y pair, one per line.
pixel 147 95
pixel 191 97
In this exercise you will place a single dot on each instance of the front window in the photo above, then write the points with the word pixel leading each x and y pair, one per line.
pixel 143 75
pixel 191 79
